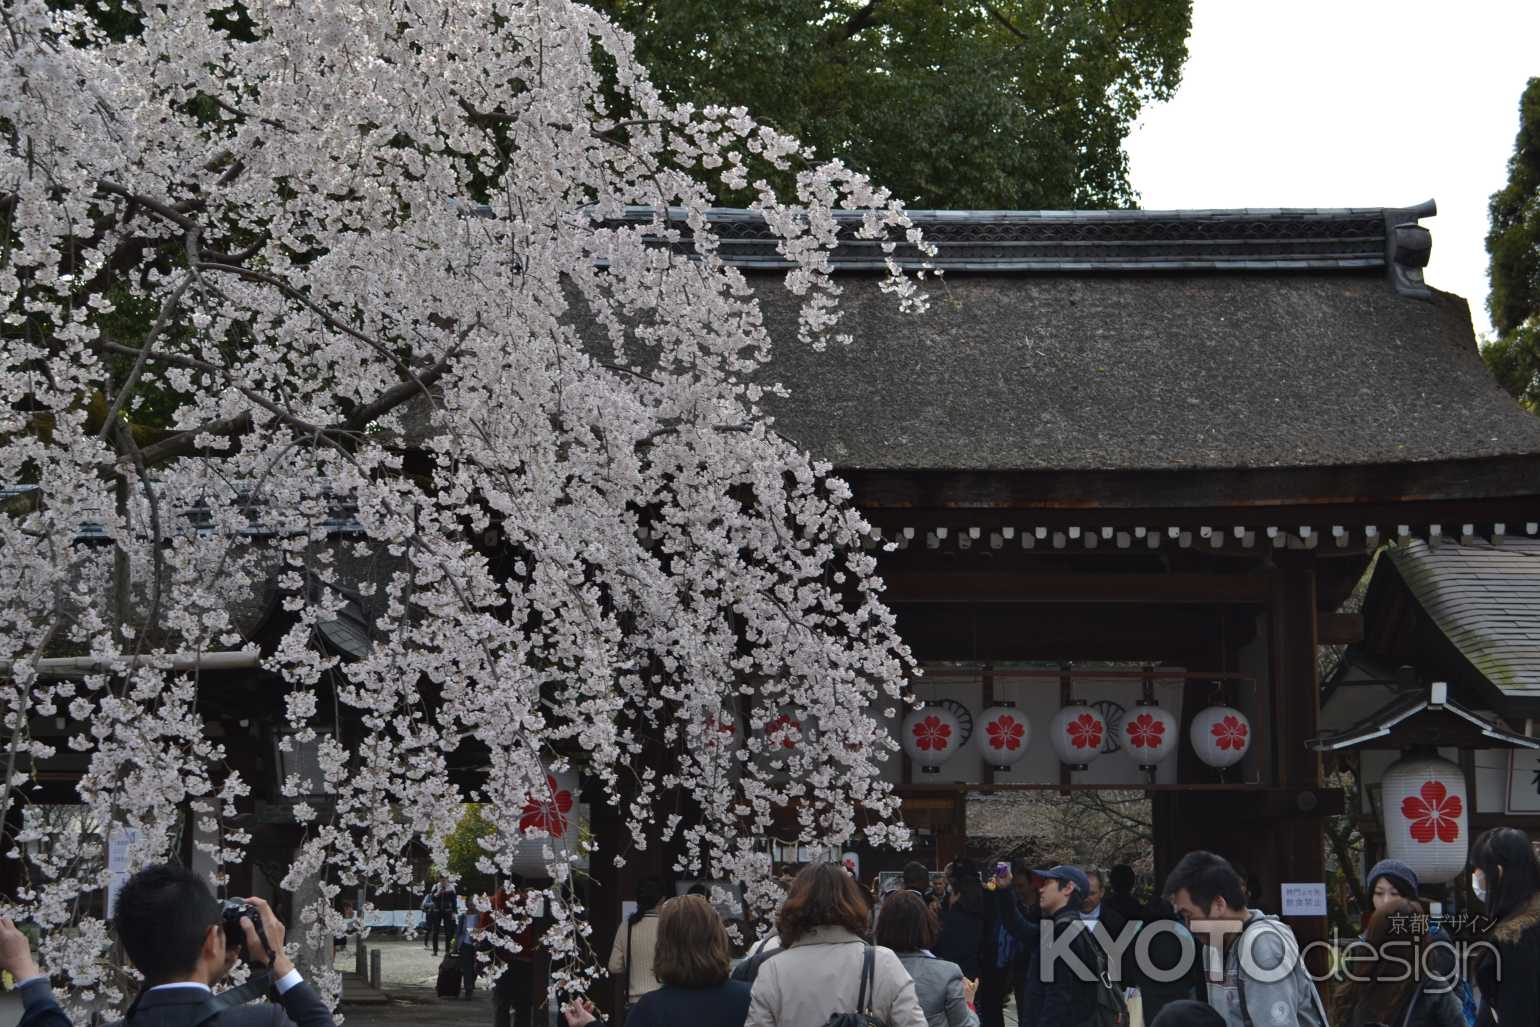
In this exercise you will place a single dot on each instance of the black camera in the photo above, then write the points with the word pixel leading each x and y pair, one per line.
pixel 230 913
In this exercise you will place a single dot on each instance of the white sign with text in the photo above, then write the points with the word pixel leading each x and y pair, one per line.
pixel 1306 899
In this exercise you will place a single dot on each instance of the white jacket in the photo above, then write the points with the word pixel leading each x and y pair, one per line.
pixel 821 975
pixel 640 942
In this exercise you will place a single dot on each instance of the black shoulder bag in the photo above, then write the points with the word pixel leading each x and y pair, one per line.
pixel 863 1016
pixel 747 971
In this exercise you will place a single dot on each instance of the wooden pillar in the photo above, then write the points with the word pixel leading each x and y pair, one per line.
pixel 609 885
pixel 1298 843
pixel 952 837
pixel 11 869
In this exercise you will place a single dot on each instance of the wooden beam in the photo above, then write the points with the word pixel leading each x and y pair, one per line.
pixel 1338 495
pixel 181 663
pixel 981 587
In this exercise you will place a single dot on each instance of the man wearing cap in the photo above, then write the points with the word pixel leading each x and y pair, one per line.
pixel 1060 985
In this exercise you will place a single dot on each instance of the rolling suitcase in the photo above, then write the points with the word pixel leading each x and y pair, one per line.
pixel 448 977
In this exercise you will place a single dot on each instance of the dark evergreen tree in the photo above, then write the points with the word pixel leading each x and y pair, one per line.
pixel 1513 242
pixel 1007 104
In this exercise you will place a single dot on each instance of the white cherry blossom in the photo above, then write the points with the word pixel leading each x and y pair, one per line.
pixel 399 322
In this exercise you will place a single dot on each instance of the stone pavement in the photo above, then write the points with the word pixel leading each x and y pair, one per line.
pixel 408 972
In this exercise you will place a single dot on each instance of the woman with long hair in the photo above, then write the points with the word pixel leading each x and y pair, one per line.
pixel 691 962
pixel 631 955
pixel 967 921
pixel 1390 982
pixel 908 926
pixel 821 969
pixel 1506 878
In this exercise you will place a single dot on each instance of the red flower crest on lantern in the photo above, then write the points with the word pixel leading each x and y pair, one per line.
pixel 1005 732
pixel 1433 812
pixel 780 731
pixel 1145 731
pixel 547 813
pixel 1085 731
pixel 1230 733
pixel 931 734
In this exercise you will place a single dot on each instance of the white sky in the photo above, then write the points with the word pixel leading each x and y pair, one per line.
pixel 1350 103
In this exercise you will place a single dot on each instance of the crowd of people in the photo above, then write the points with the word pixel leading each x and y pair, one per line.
pixel 1071 947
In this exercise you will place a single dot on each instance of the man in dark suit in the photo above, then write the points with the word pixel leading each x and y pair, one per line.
pixel 446 908
pixel 1107 922
pixel 170 926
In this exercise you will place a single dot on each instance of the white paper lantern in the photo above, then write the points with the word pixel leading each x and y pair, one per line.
pixel 1077 734
pixel 1149 733
pixel 1220 735
pixel 1427 812
pixel 1002 734
pixel 930 735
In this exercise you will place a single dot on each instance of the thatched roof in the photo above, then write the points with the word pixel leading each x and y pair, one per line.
pixel 1124 370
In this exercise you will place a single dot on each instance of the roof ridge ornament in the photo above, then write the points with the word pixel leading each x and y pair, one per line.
pixel 1408 247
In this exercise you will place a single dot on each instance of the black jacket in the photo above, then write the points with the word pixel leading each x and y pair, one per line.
pixel 1128 907
pixel 1171 948
pixel 300 1006
pixel 1065 999
pixel 1433 1004
pixel 721 1005
pixel 966 938
pixel 1515 998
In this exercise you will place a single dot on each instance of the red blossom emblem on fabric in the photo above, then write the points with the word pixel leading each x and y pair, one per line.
pixel 931 734
pixel 718 725
pixel 1085 731
pixel 780 731
pixel 1005 732
pixel 1230 733
pixel 1145 732
pixel 547 813
pixel 1433 813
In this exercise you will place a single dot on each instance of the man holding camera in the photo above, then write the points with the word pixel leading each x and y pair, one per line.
pixel 184 941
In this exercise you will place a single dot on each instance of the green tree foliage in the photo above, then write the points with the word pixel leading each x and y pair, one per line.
pixel 465 849
pixel 1513 241
pixel 1011 104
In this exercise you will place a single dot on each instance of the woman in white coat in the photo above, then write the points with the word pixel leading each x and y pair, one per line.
pixel 818 971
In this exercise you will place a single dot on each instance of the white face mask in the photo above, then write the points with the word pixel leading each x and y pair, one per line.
pixel 1478 884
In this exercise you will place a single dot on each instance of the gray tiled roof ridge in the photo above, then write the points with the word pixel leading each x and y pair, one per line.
pixel 1239 239
pixel 921 214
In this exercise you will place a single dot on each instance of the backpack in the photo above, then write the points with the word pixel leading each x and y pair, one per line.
pixel 863 1016
pixel 1109 1008
pixel 1240 978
